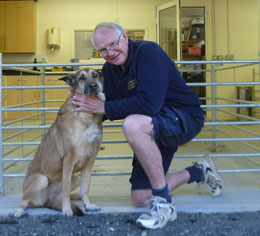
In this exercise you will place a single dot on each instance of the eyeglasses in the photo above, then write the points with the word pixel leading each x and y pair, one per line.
pixel 112 46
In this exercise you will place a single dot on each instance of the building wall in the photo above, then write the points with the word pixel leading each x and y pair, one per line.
pixel 234 32
pixel 81 14
pixel 237 28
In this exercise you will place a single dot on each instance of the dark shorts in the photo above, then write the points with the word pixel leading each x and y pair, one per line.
pixel 172 128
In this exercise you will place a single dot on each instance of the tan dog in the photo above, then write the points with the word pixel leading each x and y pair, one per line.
pixel 70 146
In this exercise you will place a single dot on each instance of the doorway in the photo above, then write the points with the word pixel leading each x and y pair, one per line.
pixel 193 47
pixel 168 29
pixel 181 34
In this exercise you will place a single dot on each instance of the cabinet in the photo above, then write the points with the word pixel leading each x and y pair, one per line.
pixel 31 97
pixel 14 97
pixel 1 26
pixel 18 26
pixel 54 97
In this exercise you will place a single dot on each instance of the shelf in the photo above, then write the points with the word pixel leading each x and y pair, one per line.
pixel 192 41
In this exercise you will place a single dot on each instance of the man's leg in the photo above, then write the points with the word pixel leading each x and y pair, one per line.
pixel 202 172
pixel 138 130
pixel 140 196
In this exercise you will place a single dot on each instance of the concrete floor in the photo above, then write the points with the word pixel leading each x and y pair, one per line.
pixel 111 193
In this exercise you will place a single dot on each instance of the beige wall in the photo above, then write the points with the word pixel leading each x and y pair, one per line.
pixel 85 14
pixel 81 14
pixel 237 28
pixel 236 33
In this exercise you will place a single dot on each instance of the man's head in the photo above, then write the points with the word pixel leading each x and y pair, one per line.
pixel 111 41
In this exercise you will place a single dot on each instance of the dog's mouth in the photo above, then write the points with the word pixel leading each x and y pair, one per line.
pixel 92 89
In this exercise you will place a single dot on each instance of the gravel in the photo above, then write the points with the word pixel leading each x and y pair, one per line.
pixel 123 224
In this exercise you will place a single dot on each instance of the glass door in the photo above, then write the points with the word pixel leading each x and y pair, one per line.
pixel 168 28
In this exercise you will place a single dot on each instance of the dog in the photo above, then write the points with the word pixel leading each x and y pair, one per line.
pixel 70 146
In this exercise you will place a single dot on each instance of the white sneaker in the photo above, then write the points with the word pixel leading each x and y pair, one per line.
pixel 211 179
pixel 160 211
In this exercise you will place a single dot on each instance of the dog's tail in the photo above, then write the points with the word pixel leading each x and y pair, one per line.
pixel 57 205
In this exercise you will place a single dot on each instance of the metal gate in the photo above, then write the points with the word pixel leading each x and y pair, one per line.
pixel 225 125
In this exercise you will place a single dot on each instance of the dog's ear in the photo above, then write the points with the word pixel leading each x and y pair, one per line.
pixel 69 79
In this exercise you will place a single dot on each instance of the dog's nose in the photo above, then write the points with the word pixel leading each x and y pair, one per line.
pixel 93 86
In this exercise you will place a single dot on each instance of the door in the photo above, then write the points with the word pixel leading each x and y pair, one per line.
pixel 168 28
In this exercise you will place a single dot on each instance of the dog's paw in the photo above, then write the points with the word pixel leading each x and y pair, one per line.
pixel 67 212
pixel 19 212
pixel 101 96
pixel 92 207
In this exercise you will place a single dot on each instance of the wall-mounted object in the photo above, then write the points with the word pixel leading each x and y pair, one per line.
pixel 53 38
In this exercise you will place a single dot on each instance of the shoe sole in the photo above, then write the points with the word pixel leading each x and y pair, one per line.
pixel 171 219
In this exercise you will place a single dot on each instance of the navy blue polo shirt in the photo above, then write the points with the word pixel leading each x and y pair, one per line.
pixel 148 81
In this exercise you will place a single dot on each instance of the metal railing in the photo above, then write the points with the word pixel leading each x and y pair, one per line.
pixel 214 132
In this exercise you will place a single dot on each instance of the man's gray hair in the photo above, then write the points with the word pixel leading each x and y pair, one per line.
pixel 107 25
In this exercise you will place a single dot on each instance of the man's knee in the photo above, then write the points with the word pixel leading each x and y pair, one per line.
pixel 134 124
pixel 139 197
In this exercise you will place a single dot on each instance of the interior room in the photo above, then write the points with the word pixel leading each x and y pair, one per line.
pixel 216 47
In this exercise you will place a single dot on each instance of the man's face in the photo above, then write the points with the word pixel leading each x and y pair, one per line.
pixel 115 46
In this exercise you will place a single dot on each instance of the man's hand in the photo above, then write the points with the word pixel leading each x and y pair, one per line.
pixel 90 104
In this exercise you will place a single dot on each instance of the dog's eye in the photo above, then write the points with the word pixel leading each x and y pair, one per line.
pixel 82 77
pixel 94 75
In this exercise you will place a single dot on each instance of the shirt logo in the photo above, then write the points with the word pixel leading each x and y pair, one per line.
pixel 132 84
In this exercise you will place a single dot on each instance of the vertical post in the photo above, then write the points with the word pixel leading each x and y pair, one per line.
pixel 1 134
pixel 42 78
pixel 22 113
pixel 214 109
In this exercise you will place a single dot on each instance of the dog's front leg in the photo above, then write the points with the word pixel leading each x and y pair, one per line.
pixel 84 187
pixel 66 187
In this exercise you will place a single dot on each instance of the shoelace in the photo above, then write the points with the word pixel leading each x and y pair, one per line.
pixel 153 205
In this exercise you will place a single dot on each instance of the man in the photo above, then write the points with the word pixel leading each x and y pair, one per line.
pixel 143 86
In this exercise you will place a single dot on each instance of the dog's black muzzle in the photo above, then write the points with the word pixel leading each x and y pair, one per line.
pixel 92 89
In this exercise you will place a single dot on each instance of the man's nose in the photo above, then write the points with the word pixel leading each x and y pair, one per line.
pixel 110 52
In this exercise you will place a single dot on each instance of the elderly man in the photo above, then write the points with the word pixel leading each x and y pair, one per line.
pixel 143 86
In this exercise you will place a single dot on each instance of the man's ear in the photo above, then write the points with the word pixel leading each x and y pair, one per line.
pixel 125 36
pixel 70 79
